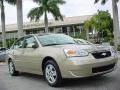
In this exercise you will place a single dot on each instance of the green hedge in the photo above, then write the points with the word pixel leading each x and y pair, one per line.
pixel 118 48
pixel 9 42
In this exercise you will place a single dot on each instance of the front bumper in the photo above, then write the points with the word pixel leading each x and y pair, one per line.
pixel 78 67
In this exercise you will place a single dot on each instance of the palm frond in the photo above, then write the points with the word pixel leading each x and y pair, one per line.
pixel 38 1
pixel 35 13
pixel 102 1
pixel 50 6
pixel 13 2
pixel 55 11
pixel 60 2
pixel 96 1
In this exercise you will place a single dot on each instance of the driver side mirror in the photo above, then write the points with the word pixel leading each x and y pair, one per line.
pixel 35 45
pixel 32 45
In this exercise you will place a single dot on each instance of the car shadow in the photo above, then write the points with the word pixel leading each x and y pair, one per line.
pixel 32 76
pixel 67 83
pixel 87 82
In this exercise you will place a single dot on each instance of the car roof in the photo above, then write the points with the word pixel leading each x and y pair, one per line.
pixel 42 34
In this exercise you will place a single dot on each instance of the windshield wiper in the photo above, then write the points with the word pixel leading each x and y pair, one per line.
pixel 57 44
pixel 69 43
pixel 51 44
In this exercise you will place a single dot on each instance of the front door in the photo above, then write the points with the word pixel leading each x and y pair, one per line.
pixel 31 55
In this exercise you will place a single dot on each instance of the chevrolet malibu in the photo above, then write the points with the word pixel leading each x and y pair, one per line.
pixel 57 56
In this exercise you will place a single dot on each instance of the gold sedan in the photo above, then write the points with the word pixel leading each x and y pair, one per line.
pixel 57 56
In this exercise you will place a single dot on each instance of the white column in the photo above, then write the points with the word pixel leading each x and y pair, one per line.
pixel 61 30
pixel 80 29
pixel 68 31
pixel 74 30
pixel 14 37
pixel 54 30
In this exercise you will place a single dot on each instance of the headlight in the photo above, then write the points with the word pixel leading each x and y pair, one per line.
pixel 75 53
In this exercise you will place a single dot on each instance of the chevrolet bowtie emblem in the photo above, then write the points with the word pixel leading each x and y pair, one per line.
pixel 104 54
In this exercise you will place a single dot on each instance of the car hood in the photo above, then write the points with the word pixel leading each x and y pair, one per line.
pixel 89 48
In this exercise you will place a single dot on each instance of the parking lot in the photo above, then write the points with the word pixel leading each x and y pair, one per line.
pixel 27 81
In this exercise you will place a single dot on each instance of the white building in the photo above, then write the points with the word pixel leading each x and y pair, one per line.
pixel 70 26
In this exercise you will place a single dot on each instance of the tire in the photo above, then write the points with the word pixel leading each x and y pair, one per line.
pixel 12 70
pixel 52 74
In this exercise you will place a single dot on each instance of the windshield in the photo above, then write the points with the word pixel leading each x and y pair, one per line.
pixel 55 39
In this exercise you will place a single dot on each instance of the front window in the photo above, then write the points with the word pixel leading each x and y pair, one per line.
pixel 29 41
pixel 55 39
pixel 18 43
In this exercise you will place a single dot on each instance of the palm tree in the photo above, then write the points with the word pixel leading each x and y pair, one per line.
pixel 3 19
pixel 3 23
pixel 19 18
pixel 44 7
pixel 102 24
pixel 115 21
pixel 19 15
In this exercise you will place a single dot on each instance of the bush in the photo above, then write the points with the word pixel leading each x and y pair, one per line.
pixel 118 48
pixel 9 42
pixel 80 35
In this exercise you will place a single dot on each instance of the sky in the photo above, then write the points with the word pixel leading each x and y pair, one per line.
pixel 70 9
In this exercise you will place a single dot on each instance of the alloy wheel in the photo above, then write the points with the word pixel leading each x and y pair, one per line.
pixel 11 68
pixel 50 73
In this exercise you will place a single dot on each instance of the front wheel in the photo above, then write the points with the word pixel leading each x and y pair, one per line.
pixel 12 70
pixel 52 74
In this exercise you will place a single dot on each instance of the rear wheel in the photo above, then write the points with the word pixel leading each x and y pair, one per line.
pixel 52 73
pixel 12 70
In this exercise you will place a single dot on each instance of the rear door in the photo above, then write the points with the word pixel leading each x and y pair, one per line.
pixel 2 54
pixel 17 53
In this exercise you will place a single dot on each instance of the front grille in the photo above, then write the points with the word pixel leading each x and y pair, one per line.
pixel 103 68
pixel 101 54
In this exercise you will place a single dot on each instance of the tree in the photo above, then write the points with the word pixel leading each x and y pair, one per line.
pixel 44 7
pixel 87 27
pixel 115 21
pixel 18 4
pixel 3 23
pixel 19 18
pixel 102 23
pixel 3 19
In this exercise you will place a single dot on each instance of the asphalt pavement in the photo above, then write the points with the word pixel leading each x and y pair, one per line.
pixel 25 81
